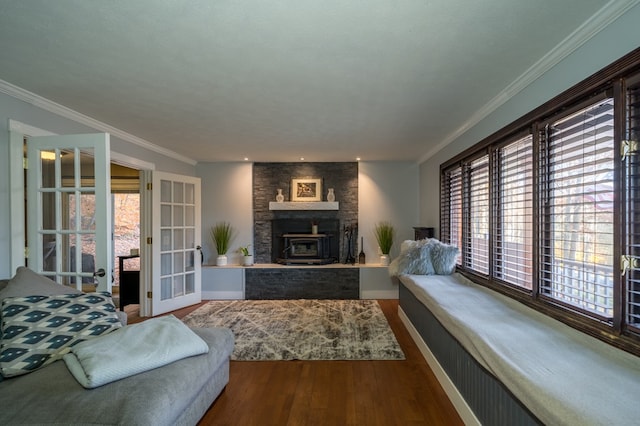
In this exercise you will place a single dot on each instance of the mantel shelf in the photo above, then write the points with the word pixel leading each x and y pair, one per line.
pixel 302 205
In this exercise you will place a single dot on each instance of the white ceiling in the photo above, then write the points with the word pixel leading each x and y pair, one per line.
pixel 276 80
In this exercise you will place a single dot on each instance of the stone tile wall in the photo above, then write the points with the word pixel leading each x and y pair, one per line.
pixel 305 282
pixel 268 177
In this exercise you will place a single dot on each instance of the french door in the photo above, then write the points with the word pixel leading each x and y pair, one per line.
pixel 69 209
pixel 175 242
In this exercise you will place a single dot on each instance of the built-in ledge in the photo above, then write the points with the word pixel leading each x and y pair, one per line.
pixel 302 205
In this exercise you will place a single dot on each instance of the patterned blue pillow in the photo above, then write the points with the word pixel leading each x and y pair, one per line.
pixel 38 330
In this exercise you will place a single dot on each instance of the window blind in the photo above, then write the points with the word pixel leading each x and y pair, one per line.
pixel 632 196
pixel 451 209
pixel 513 217
pixel 577 209
pixel 476 243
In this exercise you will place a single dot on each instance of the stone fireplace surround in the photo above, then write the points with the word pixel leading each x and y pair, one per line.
pixel 268 177
pixel 306 281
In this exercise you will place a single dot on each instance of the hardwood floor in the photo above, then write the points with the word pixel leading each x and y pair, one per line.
pixel 359 393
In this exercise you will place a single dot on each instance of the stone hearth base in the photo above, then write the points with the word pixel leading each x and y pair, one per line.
pixel 302 283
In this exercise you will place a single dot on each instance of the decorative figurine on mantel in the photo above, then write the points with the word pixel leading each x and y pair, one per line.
pixel 279 197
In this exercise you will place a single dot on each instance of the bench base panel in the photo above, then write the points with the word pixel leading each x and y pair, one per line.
pixel 478 397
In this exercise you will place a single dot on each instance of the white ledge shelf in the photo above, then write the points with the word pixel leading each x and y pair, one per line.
pixel 303 205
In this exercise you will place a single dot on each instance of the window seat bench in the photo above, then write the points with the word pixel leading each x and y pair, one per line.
pixel 502 362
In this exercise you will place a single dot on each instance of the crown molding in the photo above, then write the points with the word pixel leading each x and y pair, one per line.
pixel 61 110
pixel 592 26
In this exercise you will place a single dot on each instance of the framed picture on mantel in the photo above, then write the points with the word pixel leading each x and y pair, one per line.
pixel 306 189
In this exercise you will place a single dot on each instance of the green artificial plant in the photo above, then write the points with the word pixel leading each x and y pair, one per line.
pixel 245 250
pixel 221 234
pixel 384 234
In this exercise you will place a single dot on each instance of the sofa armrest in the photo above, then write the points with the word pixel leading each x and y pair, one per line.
pixel 122 316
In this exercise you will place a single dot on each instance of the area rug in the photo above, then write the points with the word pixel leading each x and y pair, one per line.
pixel 302 329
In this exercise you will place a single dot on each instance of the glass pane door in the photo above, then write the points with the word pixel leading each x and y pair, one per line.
pixel 176 229
pixel 68 209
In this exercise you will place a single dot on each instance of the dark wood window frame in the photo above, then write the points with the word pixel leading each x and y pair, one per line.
pixel 612 81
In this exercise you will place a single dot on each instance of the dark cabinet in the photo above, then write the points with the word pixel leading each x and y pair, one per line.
pixel 129 283
pixel 420 233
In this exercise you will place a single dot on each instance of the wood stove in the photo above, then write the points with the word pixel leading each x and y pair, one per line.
pixel 293 246
pixel 310 249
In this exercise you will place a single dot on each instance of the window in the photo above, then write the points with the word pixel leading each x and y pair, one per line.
pixel 513 221
pixel 577 209
pixel 547 210
pixel 451 206
pixel 631 160
pixel 476 244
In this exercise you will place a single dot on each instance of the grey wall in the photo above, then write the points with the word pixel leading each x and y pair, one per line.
pixel 388 192
pixel 26 113
pixel 226 197
pixel 384 190
pixel 617 39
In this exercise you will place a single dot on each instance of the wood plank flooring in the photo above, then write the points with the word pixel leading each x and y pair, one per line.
pixel 359 393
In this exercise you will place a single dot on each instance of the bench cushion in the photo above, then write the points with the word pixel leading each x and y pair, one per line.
pixel 562 375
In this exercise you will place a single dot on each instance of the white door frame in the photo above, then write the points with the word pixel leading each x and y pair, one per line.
pixel 17 133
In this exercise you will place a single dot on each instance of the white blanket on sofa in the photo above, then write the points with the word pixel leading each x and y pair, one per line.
pixel 563 376
pixel 131 350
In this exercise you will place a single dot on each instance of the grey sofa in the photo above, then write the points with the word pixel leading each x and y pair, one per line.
pixel 175 394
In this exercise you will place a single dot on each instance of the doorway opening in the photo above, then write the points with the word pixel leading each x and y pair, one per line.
pixel 125 202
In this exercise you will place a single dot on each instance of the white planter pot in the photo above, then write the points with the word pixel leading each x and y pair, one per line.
pixel 247 260
pixel 221 260
pixel 384 260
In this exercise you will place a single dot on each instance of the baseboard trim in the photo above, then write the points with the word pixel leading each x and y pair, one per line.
pixel 461 406
pixel 222 295
pixel 378 294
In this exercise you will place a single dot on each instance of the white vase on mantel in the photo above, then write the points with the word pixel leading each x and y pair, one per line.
pixel 221 260
pixel 384 259
pixel 331 196
pixel 279 197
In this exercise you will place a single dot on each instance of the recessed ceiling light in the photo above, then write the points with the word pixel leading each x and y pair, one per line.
pixel 301 158
pixel 246 158
pixel 357 158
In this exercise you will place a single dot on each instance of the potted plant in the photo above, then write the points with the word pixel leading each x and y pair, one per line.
pixel 247 255
pixel 384 235
pixel 221 234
